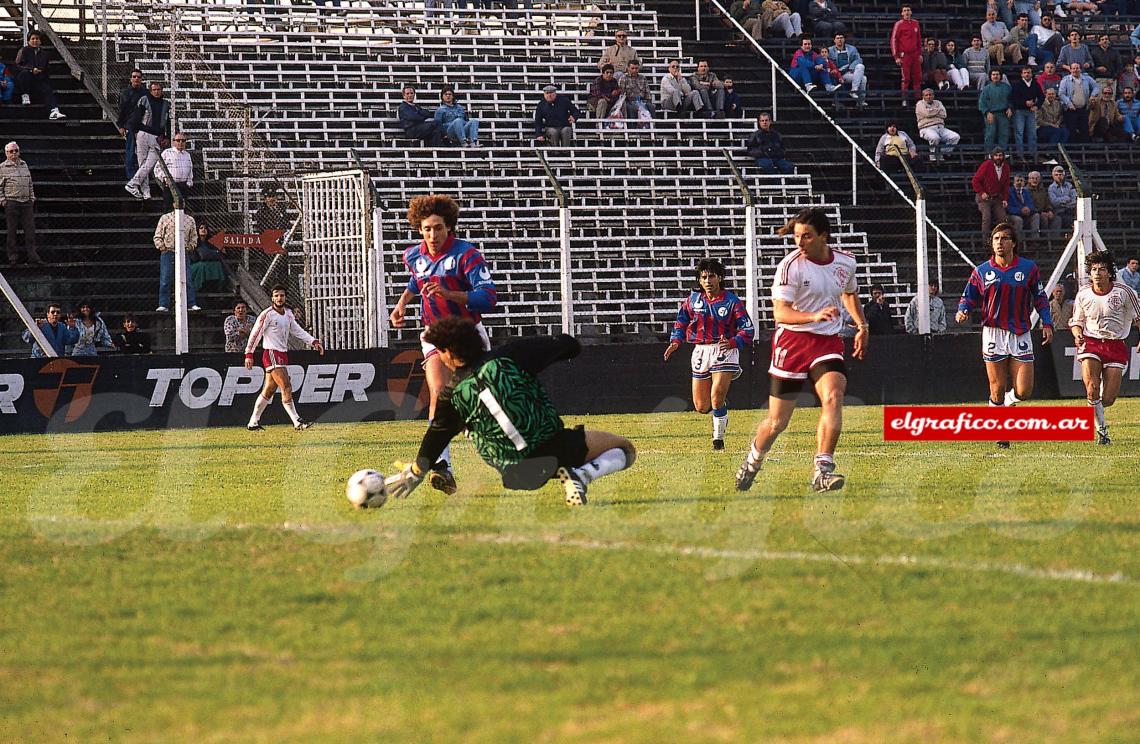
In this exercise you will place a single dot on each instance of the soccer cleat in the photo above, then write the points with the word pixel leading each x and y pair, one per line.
pixel 1102 438
pixel 1003 444
pixel 254 427
pixel 826 479
pixel 573 486
pixel 442 479
pixel 745 475
pixel 718 445
pixel 302 425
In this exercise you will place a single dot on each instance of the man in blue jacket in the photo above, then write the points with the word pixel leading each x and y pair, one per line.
pixel 59 334
pixel 417 122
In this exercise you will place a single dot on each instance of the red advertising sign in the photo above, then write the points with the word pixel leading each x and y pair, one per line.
pixel 268 241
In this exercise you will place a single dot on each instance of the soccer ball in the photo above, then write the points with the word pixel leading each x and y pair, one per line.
pixel 366 490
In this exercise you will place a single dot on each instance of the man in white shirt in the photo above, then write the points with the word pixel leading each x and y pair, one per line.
pixel 181 168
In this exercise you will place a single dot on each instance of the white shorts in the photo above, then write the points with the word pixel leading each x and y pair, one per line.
pixel 708 358
pixel 429 351
pixel 999 344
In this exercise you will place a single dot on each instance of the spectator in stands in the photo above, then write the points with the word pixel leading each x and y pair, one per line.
pixel 709 87
pixel 1025 98
pixel 935 67
pixel 677 94
pixel 93 334
pixel 1044 216
pixel 454 120
pixel 891 145
pixel 930 115
pixel 733 105
pixel 33 76
pixel 18 198
pixel 1130 78
pixel 619 55
pixel 1134 37
pixel 1049 79
pixel 1063 197
pixel 635 88
pixel 1026 42
pixel 271 214
pixel 59 334
pixel 959 75
pixel 151 120
pixel 1107 64
pixel 7 84
pixel 747 14
pixel 807 69
pixel 1062 8
pixel 777 16
pixel 851 68
pixel 237 327
pixel 128 101
pixel 1106 124
pixel 165 240
pixel 1129 109
pixel 975 60
pixel 994 103
pixel 181 168
pixel 1077 91
pixel 417 122
pixel 825 19
pixel 937 313
pixel 1076 52
pixel 604 93
pixel 766 148
pixel 878 312
pixel 207 269
pixel 1046 42
pixel 991 190
pixel 906 49
pixel 1060 308
pixel 1031 9
pixel 131 340
pixel 1021 212
pixel 1130 274
pixel 555 115
pixel 996 37
pixel 1050 120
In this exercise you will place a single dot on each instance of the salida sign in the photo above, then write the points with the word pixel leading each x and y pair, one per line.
pixel 110 392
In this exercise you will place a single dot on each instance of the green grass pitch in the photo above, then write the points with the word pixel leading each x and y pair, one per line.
pixel 216 586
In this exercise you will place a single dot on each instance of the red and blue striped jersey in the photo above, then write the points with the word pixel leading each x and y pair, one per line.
pixel 704 321
pixel 460 266
pixel 1007 297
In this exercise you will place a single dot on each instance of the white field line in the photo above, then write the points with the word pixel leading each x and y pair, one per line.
pixel 905 561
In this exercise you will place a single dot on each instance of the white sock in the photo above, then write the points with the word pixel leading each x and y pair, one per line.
pixel 258 409
pixel 755 458
pixel 1098 411
pixel 291 409
pixel 1011 398
pixel 720 425
pixel 610 461
pixel 823 459
pixel 446 456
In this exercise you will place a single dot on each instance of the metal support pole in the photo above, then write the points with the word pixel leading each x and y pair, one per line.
pixel 922 262
pixel 376 264
pixel 772 88
pixel 566 281
pixel 751 275
pixel 854 176
pixel 697 17
pixel 181 322
pixel 24 28
pixel 26 317
pixel 1085 227
pixel 938 257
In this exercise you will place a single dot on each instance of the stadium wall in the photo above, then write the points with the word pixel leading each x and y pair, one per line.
pixel 131 392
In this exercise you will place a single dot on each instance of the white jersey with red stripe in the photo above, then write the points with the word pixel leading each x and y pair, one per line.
pixel 1107 316
pixel 273 329
pixel 812 286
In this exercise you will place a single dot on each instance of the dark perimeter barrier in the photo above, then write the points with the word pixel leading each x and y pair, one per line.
pixel 112 392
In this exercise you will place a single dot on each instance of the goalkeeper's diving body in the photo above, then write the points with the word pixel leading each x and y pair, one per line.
pixel 497 397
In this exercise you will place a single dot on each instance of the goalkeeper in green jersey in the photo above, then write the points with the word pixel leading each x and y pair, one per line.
pixel 496 396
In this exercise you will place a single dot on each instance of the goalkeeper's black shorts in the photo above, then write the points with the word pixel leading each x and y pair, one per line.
pixel 566 449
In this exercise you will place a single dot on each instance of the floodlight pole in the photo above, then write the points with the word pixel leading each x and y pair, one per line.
pixel 565 280
pixel 922 263
pixel 181 322
pixel 751 271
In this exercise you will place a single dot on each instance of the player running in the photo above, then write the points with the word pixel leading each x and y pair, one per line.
pixel 809 285
pixel 1007 288
pixel 715 320
pixel 273 328
pixel 496 396
pixel 1104 312
pixel 454 281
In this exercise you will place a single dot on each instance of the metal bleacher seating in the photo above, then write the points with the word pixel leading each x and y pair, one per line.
pixel 645 204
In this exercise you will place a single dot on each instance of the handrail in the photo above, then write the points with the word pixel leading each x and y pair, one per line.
pixel 739 179
pixel 914 184
pixel 558 193
pixel 838 129
pixel 72 63
pixel 1075 173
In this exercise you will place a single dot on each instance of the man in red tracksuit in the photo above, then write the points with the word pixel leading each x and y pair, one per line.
pixel 906 48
